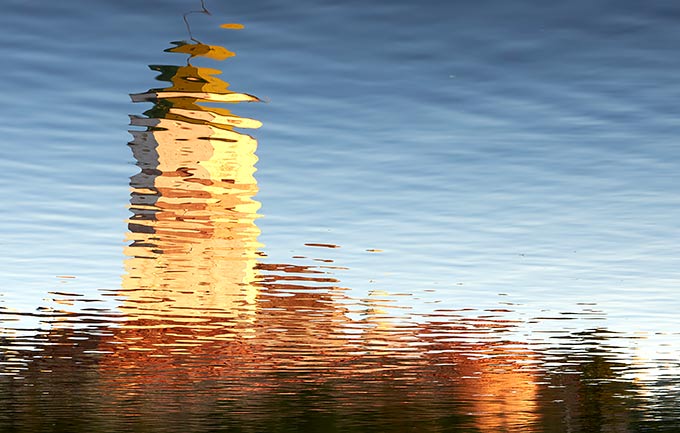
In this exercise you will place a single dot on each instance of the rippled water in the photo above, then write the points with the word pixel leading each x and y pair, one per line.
pixel 400 216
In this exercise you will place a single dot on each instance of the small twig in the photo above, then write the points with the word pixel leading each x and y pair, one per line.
pixel 203 10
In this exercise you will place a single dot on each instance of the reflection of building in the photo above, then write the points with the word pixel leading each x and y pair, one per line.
pixel 204 320
pixel 497 380
pixel 194 238
pixel 195 290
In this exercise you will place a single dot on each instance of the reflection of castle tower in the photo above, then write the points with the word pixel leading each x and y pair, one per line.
pixel 193 285
pixel 193 234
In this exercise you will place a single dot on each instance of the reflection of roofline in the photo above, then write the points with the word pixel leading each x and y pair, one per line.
pixel 204 96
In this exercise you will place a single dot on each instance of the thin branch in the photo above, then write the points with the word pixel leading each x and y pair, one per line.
pixel 203 10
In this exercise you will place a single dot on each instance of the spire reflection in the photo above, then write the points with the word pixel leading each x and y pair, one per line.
pixel 193 235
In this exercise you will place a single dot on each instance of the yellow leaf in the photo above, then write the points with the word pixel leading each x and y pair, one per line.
pixel 232 26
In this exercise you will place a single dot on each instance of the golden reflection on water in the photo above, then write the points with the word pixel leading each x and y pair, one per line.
pixel 194 239
pixel 195 286
pixel 207 321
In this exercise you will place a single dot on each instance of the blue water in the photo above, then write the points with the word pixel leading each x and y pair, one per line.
pixel 510 163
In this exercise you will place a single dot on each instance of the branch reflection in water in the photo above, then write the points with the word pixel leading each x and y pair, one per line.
pixel 212 335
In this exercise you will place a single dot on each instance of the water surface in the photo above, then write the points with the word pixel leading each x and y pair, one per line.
pixel 386 217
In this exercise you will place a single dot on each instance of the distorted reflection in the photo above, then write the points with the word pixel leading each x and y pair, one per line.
pixel 194 286
pixel 210 335
pixel 194 238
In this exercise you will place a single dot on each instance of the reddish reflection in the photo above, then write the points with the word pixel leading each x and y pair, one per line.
pixel 211 330
pixel 205 318
pixel 202 307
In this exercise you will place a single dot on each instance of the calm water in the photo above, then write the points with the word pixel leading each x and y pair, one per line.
pixel 388 216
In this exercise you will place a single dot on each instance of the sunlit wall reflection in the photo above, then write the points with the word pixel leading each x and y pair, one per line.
pixel 193 235
pixel 210 334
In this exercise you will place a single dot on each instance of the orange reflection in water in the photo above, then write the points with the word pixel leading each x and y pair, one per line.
pixel 200 305
pixel 499 379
